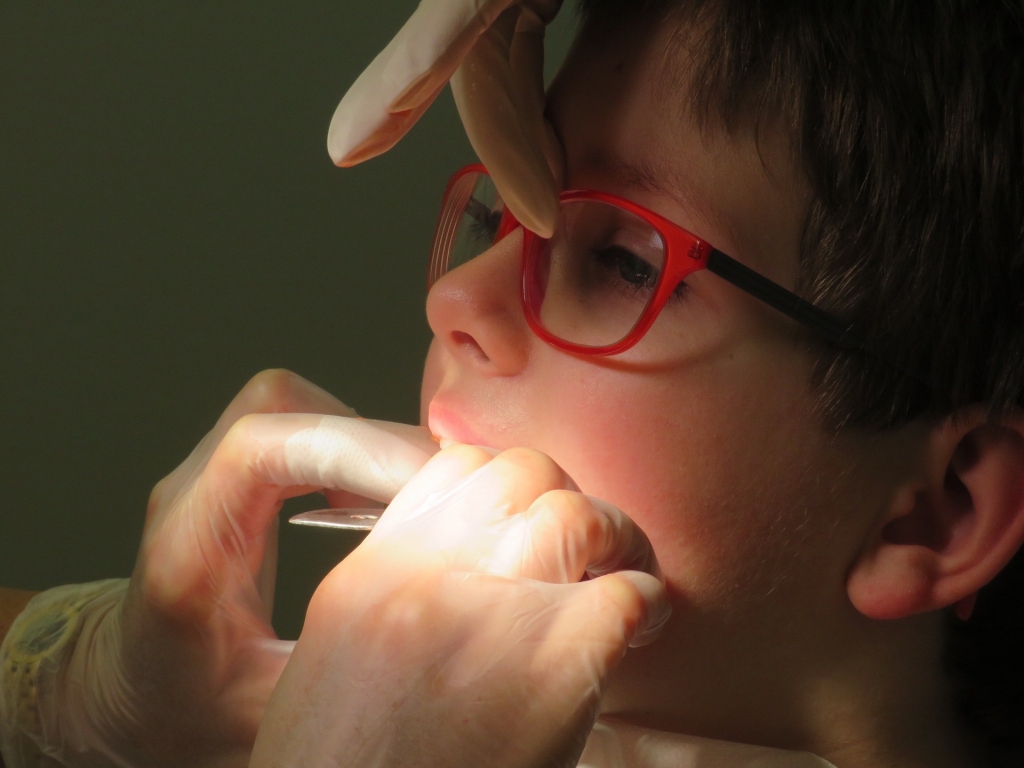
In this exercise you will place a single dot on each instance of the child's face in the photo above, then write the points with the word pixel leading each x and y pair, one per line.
pixel 755 512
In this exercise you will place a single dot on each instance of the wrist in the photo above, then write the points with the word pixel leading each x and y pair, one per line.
pixel 12 603
pixel 48 690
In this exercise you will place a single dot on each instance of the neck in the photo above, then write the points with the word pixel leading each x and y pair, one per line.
pixel 873 695
pixel 892 703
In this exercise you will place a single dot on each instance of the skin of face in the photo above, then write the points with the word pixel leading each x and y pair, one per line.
pixel 755 511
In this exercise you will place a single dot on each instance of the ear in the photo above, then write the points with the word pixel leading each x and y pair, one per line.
pixel 950 529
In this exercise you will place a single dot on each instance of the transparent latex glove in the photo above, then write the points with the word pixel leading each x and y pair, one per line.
pixel 460 633
pixel 615 744
pixel 493 52
pixel 177 670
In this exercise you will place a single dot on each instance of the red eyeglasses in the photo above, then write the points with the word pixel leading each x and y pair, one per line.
pixel 597 286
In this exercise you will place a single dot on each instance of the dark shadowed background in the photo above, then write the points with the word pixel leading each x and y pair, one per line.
pixel 171 224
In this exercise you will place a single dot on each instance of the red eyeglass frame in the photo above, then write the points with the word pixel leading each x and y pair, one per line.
pixel 685 253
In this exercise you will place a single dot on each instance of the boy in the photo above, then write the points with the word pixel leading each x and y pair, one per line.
pixel 817 508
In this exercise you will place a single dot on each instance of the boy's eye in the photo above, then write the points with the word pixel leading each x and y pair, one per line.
pixel 484 220
pixel 631 268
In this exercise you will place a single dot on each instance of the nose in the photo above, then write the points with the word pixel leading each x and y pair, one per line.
pixel 476 311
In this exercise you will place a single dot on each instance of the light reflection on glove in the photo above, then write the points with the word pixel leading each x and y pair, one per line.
pixel 497 46
pixel 617 744
pixel 177 668
pixel 460 633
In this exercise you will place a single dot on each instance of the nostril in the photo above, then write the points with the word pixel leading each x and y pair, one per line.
pixel 470 345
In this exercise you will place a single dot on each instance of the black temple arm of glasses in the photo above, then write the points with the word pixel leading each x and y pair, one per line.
pixel 788 303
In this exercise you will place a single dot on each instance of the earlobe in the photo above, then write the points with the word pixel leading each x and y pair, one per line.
pixel 887 581
pixel 950 529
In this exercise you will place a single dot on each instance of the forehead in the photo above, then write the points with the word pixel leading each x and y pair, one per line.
pixel 620 108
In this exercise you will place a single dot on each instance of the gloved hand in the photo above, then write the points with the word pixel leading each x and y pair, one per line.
pixel 459 633
pixel 176 666
pixel 495 50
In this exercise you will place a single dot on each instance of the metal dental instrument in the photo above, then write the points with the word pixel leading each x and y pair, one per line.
pixel 344 519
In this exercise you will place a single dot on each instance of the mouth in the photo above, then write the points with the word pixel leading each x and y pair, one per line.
pixel 446 424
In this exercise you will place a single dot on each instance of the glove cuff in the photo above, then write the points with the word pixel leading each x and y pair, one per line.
pixel 34 660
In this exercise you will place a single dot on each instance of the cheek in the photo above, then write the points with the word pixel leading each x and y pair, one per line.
pixel 711 476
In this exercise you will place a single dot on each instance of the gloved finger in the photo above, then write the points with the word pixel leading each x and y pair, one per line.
pixel 443 472
pixel 403 80
pixel 527 50
pixel 348 500
pixel 455 518
pixel 575 634
pixel 526 59
pixel 494 56
pixel 565 535
pixel 271 391
pixel 499 92
pixel 266 579
pixel 413 434
pixel 623 609
pixel 218 533
pixel 263 454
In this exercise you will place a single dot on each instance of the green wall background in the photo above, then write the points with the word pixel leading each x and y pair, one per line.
pixel 170 224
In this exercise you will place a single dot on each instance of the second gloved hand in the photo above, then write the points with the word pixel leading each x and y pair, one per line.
pixel 175 667
pixel 460 633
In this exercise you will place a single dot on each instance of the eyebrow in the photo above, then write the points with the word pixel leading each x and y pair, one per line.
pixel 658 177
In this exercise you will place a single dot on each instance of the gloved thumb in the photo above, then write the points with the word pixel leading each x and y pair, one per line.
pixel 499 92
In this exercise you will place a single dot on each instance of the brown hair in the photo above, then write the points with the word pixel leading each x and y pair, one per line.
pixel 908 120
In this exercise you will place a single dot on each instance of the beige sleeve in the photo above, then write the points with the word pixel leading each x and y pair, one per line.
pixel 12 602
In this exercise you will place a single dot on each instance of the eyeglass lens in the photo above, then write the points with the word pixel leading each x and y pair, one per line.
pixel 588 285
pixel 470 216
pixel 598 273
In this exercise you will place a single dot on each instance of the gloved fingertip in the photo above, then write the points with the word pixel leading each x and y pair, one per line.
pixel 540 216
pixel 658 609
pixel 354 159
pixel 344 155
pixel 339 154
pixel 377 144
pixel 275 647
pixel 388 132
pixel 543 223
pixel 349 145
pixel 339 144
